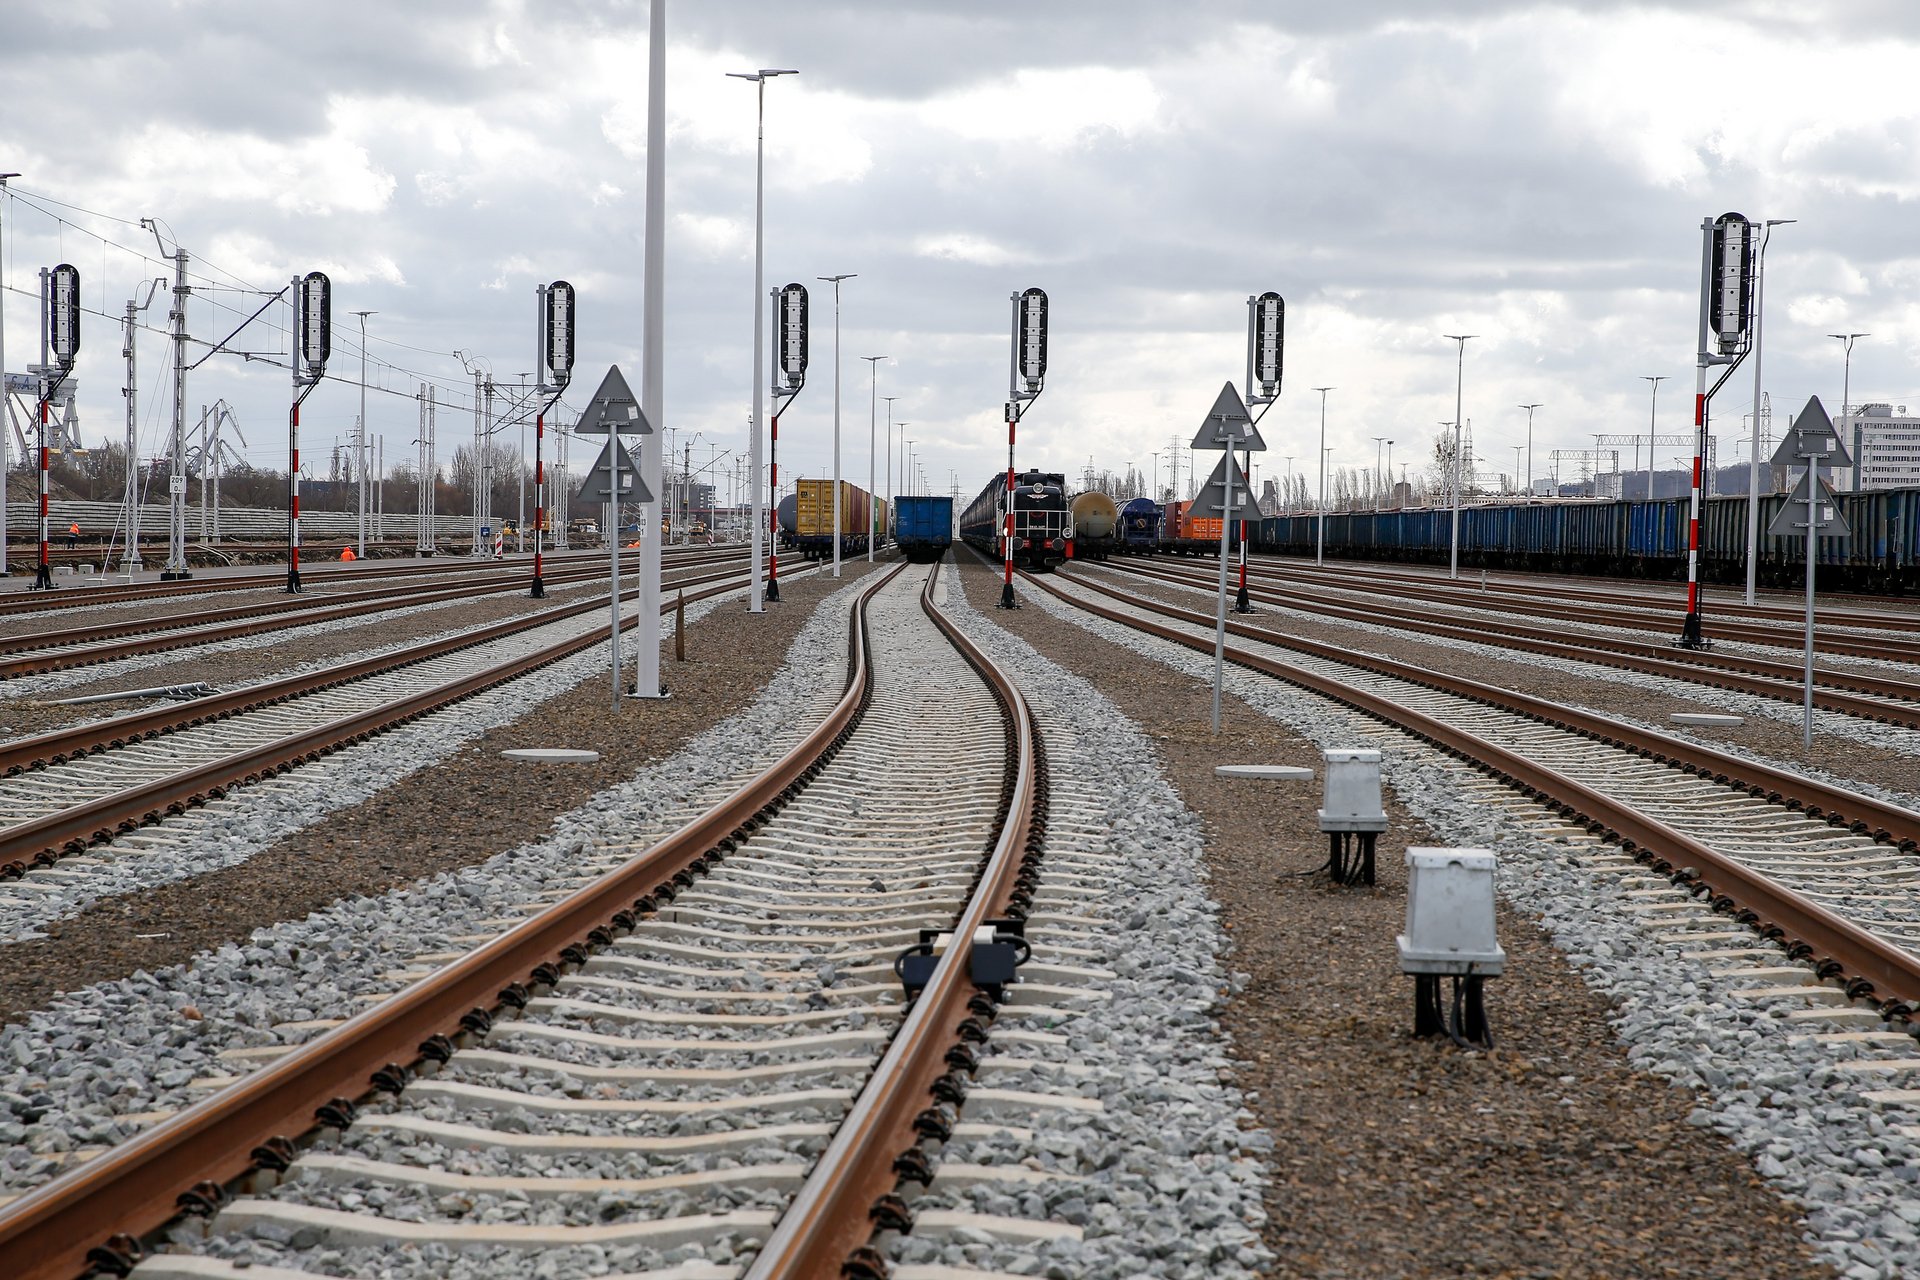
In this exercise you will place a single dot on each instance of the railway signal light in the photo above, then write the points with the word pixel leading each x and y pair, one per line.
pixel 1031 342
pixel 1730 300
pixel 63 314
pixel 1265 343
pixel 790 350
pixel 559 343
pixel 316 322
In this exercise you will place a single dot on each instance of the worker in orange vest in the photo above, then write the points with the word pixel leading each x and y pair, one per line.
pixel 73 536
pixel 346 554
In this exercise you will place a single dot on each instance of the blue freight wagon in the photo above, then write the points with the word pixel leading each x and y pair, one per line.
pixel 923 526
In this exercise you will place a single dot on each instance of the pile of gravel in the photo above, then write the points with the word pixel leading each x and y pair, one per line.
pixel 1769 1090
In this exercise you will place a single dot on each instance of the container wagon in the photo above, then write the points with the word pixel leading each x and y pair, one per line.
pixel 1184 533
pixel 814 532
pixel 1096 521
pixel 923 526
pixel 1042 521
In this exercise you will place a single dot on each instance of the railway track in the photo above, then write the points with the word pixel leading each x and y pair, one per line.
pixel 69 789
pixel 704 1041
pixel 108 641
pixel 1827 873
pixel 1888 699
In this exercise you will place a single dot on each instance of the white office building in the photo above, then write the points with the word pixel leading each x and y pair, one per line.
pixel 1885 445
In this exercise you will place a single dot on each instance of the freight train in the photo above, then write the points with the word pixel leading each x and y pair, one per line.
pixel 1629 539
pixel 922 526
pixel 1139 527
pixel 813 527
pixel 1095 525
pixel 1042 521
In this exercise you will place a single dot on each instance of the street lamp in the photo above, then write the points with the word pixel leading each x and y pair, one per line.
pixel 1846 389
pixel 1459 378
pixel 360 438
pixel 890 400
pixel 1320 529
pixel 1753 465
pixel 906 462
pixel 1656 380
pixel 1516 461
pixel 759 79
pixel 873 498
pixel 1377 442
pixel 835 282
pixel 1396 496
pixel 1529 408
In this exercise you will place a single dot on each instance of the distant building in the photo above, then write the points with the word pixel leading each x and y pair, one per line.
pixel 1885 445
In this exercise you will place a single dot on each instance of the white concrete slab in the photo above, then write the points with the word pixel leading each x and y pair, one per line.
pixel 551 755
pixel 1264 772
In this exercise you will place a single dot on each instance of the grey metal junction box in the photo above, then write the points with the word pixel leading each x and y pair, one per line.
pixel 1450 927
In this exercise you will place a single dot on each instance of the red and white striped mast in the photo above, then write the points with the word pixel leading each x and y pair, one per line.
pixel 1726 307
pixel 554 307
pixel 1026 378
pixel 1266 350
pixel 63 333
pixel 789 375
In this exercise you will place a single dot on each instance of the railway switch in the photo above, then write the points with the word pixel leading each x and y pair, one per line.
pixel 1350 809
pixel 1450 934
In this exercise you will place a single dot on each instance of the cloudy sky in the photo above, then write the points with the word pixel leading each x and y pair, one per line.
pixel 1533 174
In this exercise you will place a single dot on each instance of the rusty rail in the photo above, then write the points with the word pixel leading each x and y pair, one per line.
pixel 43 841
pixel 829 1219
pixel 135 1188
pixel 1878 968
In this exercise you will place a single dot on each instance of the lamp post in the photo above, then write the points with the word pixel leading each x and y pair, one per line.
pixel 1459 379
pixel 3 366
pixel 906 464
pixel 1516 461
pixel 360 439
pixel 1320 526
pixel 1655 380
pixel 901 478
pixel 759 78
pixel 1753 465
pixel 1529 408
pixel 1846 388
pixel 1396 496
pixel 873 497
pixel 890 400
pixel 1377 442
pixel 835 282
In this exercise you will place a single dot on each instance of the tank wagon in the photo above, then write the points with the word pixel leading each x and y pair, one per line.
pixel 1639 539
pixel 787 511
pixel 923 526
pixel 1095 525
pixel 814 531
pixel 1138 531
pixel 1042 521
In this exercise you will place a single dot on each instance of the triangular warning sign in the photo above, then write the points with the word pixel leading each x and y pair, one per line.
pixel 1812 437
pixel 613 409
pixel 1213 493
pixel 1792 520
pixel 1228 423
pixel 615 477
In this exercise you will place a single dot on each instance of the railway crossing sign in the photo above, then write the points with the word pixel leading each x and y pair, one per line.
pixel 613 409
pixel 615 477
pixel 1210 503
pixel 1228 425
pixel 1826 518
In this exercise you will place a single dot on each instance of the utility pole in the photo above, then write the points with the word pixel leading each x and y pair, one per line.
pixel 5 443
pixel 1529 408
pixel 873 497
pixel 1653 406
pixel 835 281
pixel 130 559
pixel 475 471
pixel 360 439
pixel 176 565
pixel 1459 377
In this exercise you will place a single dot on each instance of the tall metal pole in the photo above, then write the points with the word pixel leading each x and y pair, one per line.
pixel 477 472
pixel 5 443
pixel 176 566
pixel 1459 380
pixel 293 457
pixel 1529 408
pixel 541 374
pixel 837 526
pixel 1320 518
pixel 1653 408
pixel 1846 390
pixel 1377 442
pixel 891 491
pixel 653 374
pixel 360 440
pixel 1753 463
pixel 873 495
pixel 755 591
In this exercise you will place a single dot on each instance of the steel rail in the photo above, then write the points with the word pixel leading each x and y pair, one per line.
pixel 1563 601
pixel 137 1187
pixel 327 573
pixel 1887 972
pixel 109 642
pixel 43 841
pixel 1761 677
pixel 830 1217
pixel 1863 814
